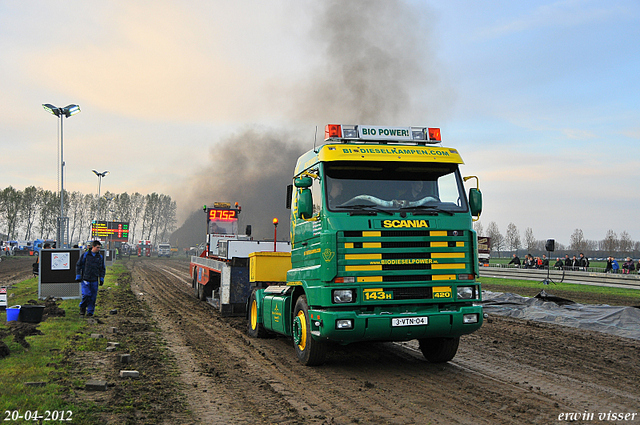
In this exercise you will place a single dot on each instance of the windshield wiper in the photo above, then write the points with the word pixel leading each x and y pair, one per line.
pixel 362 207
pixel 423 208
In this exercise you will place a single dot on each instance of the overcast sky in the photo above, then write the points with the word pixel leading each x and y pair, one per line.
pixel 541 98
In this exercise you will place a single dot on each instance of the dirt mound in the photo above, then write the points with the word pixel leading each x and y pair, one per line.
pixel 20 330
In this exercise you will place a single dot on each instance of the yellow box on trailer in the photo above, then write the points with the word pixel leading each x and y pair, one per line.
pixel 266 266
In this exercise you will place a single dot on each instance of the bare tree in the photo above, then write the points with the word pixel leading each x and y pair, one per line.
pixel 626 244
pixel 512 237
pixel 137 207
pixel 610 242
pixel 529 239
pixel 28 209
pixel 497 240
pixel 10 202
pixel 477 226
pixel 576 241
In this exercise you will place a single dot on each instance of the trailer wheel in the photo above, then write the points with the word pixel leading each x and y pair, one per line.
pixel 439 350
pixel 255 329
pixel 194 283
pixel 309 351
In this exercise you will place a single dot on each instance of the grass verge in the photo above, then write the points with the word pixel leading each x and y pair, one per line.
pixel 587 294
pixel 65 356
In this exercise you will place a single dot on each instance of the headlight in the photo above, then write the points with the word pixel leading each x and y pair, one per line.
pixel 344 324
pixel 342 296
pixel 466 292
pixel 470 318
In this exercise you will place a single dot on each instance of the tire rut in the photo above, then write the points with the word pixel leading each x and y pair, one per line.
pixel 496 378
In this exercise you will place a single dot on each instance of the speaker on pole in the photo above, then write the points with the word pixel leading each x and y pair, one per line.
pixel 550 245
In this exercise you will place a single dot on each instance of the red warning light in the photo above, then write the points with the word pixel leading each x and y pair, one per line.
pixel 332 131
pixel 434 134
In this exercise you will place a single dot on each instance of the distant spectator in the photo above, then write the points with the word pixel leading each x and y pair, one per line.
pixel 567 262
pixel 638 267
pixel 584 262
pixel 515 261
pixel 538 262
pixel 559 264
pixel 575 263
pixel 528 261
pixel 628 266
pixel 612 265
pixel 609 266
pixel 545 262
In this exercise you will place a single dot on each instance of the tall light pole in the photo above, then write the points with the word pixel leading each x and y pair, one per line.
pixel 65 112
pixel 100 176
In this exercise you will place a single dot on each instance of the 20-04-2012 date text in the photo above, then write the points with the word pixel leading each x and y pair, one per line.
pixel 35 415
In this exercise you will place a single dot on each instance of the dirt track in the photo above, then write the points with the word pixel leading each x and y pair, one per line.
pixel 511 371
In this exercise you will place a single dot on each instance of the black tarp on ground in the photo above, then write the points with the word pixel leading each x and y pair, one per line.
pixel 615 320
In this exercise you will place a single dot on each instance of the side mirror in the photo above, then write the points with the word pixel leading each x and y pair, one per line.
pixel 289 195
pixel 305 204
pixel 303 182
pixel 475 202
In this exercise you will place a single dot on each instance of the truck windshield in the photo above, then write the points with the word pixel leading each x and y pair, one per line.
pixel 394 186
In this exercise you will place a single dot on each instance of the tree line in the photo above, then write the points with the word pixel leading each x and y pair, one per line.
pixel 32 213
pixel 612 244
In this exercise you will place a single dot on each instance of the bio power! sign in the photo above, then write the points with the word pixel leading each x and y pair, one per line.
pixel 3 296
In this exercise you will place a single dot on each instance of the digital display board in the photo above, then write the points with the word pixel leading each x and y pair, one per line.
pixel 222 221
pixel 117 231
pixel 223 215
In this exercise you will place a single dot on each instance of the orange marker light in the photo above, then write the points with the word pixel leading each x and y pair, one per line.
pixel 434 134
pixel 332 130
pixel 275 221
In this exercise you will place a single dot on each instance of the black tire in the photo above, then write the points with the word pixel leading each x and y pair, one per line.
pixel 309 351
pixel 255 329
pixel 194 283
pixel 203 292
pixel 439 350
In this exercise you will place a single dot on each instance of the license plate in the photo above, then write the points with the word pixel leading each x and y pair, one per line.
pixel 409 321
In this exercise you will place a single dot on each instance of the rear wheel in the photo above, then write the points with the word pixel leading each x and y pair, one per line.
pixel 194 283
pixel 439 350
pixel 201 292
pixel 255 329
pixel 309 351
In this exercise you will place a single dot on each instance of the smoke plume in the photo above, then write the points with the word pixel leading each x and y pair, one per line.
pixel 371 66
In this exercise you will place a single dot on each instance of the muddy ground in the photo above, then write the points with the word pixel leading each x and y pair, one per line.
pixel 198 367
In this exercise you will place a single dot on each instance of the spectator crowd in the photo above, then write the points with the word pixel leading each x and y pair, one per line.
pixel 574 263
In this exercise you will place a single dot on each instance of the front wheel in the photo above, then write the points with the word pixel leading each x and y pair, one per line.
pixel 309 351
pixel 255 329
pixel 439 350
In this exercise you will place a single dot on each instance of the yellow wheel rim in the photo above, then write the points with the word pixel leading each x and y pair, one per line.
pixel 254 314
pixel 303 330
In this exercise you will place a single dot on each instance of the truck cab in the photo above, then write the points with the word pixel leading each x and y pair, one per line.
pixel 164 250
pixel 383 247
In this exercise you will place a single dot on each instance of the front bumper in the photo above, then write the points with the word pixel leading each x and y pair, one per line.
pixel 377 326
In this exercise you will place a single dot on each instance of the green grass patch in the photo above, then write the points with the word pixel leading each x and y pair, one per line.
pixel 44 361
pixel 632 294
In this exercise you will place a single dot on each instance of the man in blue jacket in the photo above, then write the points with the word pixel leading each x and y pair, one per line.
pixel 90 272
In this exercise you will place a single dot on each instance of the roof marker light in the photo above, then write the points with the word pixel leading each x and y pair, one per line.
pixel 434 134
pixel 332 131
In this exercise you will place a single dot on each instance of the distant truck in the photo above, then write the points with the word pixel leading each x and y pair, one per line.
pixel 144 248
pixel 484 250
pixel 38 244
pixel 164 250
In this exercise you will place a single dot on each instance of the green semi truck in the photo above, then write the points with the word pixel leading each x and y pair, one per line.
pixel 382 247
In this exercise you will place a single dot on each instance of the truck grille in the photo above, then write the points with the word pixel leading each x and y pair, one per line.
pixel 397 256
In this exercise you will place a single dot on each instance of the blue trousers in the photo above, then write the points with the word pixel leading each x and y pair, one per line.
pixel 89 296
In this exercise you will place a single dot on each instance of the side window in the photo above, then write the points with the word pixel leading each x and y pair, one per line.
pixel 316 192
